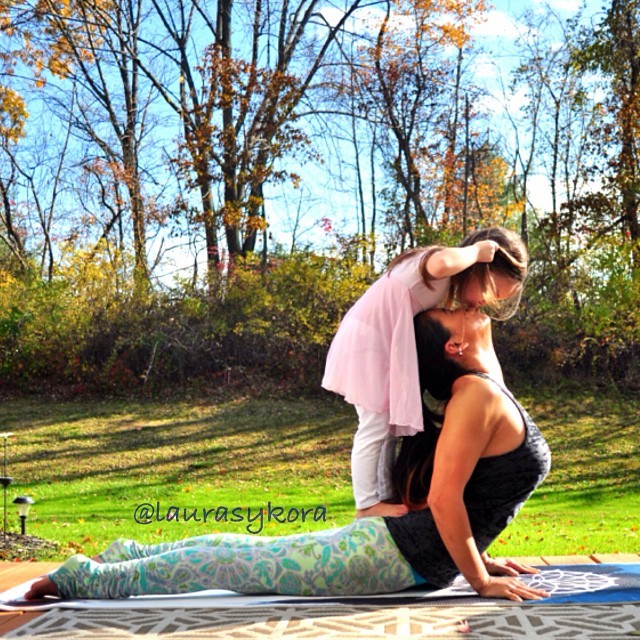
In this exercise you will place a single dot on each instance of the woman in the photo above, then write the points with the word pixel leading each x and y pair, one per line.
pixel 488 459
pixel 477 463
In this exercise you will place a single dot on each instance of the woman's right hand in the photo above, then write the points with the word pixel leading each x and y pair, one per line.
pixel 511 589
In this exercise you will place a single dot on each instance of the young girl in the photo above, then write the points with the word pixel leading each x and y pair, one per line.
pixel 373 363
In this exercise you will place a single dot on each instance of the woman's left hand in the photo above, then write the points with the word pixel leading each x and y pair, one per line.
pixel 507 567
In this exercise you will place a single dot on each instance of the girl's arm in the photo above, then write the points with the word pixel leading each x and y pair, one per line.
pixel 451 260
pixel 470 421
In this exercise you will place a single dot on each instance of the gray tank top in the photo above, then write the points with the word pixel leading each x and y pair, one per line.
pixel 495 492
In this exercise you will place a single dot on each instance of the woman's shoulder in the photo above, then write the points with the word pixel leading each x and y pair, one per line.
pixel 476 405
pixel 478 386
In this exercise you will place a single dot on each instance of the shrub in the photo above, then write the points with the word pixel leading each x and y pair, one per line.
pixel 88 330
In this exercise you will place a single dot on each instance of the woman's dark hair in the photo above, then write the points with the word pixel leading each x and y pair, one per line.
pixel 412 470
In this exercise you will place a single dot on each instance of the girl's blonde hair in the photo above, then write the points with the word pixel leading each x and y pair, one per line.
pixel 510 260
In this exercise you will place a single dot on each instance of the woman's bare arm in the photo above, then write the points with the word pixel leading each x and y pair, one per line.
pixel 471 421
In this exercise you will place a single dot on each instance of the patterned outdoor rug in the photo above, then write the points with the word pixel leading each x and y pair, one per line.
pixel 370 622
pixel 587 601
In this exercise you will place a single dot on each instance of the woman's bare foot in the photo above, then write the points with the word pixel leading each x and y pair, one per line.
pixel 383 509
pixel 41 588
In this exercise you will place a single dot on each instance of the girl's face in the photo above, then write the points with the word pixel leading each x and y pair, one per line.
pixel 473 296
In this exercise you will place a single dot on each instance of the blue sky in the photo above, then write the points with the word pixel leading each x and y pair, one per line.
pixel 564 8
pixel 504 24
pixel 499 35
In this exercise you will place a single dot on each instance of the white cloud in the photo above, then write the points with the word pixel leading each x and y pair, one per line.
pixel 497 25
pixel 539 191
pixel 566 8
pixel 485 66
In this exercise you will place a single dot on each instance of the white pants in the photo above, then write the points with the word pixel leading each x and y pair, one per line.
pixel 372 458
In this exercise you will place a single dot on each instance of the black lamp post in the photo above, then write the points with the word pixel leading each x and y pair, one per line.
pixel 24 504
pixel 5 481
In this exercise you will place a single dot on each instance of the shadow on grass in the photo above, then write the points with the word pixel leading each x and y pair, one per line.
pixel 136 439
pixel 593 440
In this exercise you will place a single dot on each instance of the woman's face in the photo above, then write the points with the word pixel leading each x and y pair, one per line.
pixel 452 320
pixel 473 295
pixel 466 326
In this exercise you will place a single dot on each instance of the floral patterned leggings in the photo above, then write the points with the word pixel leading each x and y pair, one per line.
pixel 358 559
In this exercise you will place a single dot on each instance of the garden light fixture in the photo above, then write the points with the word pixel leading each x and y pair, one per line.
pixel 24 504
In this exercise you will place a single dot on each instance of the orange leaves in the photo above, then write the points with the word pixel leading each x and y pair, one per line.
pixel 256 223
pixel 75 29
pixel 59 64
pixel 237 126
pixel 446 22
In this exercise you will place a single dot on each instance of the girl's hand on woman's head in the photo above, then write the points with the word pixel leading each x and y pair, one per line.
pixel 486 250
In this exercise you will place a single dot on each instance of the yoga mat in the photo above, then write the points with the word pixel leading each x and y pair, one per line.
pixel 571 584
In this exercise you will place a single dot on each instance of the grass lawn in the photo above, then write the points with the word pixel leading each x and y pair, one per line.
pixel 276 466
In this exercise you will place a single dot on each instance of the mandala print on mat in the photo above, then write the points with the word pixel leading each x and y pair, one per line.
pixel 556 582
pixel 562 583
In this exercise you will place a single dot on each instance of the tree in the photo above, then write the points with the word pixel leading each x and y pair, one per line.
pixel 239 75
pixel 92 45
pixel 415 85
pixel 13 116
pixel 551 135
pixel 613 49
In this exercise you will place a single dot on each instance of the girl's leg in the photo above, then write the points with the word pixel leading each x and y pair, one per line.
pixel 387 459
pixel 360 558
pixel 365 455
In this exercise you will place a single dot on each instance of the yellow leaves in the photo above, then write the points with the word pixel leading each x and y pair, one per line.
pixel 232 214
pixel 92 275
pixel 7 281
pixel 13 114
pixel 256 223
pixel 455 34
pixel 59 66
